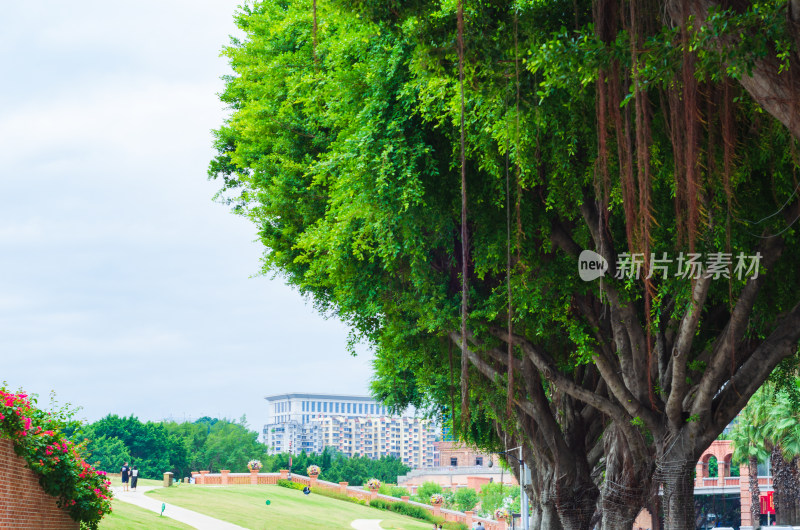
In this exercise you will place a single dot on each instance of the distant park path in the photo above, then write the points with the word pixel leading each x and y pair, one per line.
pixel 197 520
pixel 367 524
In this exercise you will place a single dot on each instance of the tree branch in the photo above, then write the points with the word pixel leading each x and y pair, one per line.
pixel 680 352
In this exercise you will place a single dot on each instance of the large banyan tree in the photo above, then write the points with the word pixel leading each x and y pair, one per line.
pixel 661 137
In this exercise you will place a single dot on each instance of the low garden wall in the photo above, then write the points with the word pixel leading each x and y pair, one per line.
pixel 226 478
pixel 23 504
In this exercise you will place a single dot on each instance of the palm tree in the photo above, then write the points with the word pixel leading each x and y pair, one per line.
pixel 749 444
pixel 769 426
pixel 783 430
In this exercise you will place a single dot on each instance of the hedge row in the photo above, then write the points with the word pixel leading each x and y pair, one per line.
pixel 417 512
pixel 325 492
pixel 402 508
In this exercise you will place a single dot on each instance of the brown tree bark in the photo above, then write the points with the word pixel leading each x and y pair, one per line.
pixel 626 487
pixel 786 488
pixel 755 492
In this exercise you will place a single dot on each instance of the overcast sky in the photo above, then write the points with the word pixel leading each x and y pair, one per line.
pixel 123 287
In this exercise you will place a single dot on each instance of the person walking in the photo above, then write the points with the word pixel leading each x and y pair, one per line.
pixel 134 477
pixel 124 472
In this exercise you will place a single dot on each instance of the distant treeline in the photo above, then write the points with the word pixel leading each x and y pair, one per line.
pixel 213 444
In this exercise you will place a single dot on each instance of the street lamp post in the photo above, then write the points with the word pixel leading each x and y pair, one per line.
pixel 523 497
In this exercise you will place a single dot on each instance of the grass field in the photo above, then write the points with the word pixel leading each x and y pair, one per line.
pixel 246 506
pixel 129 517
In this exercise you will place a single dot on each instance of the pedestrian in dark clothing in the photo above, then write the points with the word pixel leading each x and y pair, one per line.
pixel 125 472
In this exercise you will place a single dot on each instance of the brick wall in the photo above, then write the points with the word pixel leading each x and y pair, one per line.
pixel 23 504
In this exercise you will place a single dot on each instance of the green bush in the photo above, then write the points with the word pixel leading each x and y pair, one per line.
pixel 403 508
pixel 412 511
pixel 320 491
pixel 339 496
pixel 465 499
pixel 291 485
pixel 393 490
pixel 380 504
pixel 427 489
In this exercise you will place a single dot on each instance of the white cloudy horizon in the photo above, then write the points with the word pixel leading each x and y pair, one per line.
pixel 123 287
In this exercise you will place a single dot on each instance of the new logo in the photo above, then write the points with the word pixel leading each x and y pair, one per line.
pixel 591 265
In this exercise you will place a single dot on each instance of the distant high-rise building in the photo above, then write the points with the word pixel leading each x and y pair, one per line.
pixel 302 408
pixel 293 437
pixel 412 440
pixel 351 424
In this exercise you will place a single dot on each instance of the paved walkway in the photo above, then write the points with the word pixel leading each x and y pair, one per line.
pixel 367 524
pixel 197 520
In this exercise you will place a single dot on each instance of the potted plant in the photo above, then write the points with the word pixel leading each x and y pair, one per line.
pixel 313 471
pixel 254 465
pixel 373 484
pixel 437 499
pixel 501 514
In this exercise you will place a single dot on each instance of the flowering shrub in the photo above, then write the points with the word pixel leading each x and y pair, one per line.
pixel 254 464
pixel 313 470
pixel 63 473
pixel 437 498
pixel 373 483
pixel 501 514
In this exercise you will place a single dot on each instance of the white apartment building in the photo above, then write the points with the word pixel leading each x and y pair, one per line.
pixel 302 408
pixel 412 440
pixel 293 437
pixel 351 424
pixel 290 424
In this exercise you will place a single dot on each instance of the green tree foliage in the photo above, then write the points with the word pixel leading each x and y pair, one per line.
pixel 393 490
pixel 215 444
pixel 426 489
pixel 496 495
pixel 623 135
pixel 108 453
pixel 150 446
pixel 769 427
pixel 336 467
pixel 465 499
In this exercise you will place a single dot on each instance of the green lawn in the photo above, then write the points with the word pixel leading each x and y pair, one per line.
pixel 246 506
pixel 126 516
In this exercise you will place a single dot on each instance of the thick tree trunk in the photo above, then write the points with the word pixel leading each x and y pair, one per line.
pixel 576 505
pixel 536 516
pixel 679 497
pixel 755 493
pixel 550 517
pixel 654 507
pixel 786 488
pixel 626 487
pixel 547 509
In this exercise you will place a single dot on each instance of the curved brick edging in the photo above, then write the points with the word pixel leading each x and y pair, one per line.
pixel 204 478
pixel 23 503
